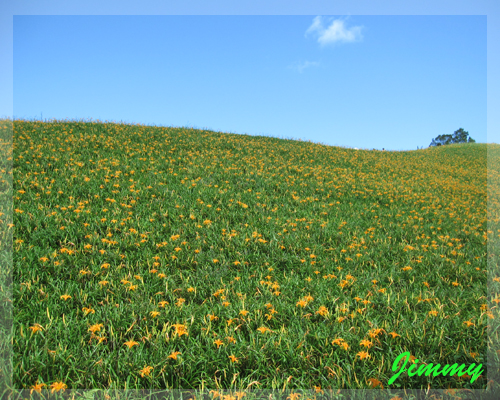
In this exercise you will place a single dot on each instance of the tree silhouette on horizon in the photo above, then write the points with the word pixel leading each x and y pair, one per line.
pixel 459 136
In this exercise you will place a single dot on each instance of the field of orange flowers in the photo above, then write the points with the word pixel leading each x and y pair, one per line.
pixel 158 257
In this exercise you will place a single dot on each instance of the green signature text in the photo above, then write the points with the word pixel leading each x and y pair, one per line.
pixel 473 370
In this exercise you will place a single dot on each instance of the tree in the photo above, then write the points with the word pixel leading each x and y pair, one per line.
pixel 459 136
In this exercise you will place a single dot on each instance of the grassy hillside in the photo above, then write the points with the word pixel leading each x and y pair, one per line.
pixel 152 257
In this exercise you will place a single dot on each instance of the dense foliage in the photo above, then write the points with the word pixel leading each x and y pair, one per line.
pixel 155 257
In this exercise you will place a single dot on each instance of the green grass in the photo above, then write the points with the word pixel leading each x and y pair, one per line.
pixel 235 261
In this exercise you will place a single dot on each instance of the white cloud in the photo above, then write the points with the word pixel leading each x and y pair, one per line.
pixel 317 25
pixel 302 66
pixel 336 32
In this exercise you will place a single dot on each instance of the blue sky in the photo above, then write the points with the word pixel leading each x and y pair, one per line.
pixel 346 79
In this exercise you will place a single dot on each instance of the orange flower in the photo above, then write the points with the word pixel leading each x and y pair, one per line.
pixel 301 303
pixel 37 387
pixel 36 328
pixel 293 396
pixel 375 332
pixel 56 386
pixel 233 358
pixel 131 343
pixel 95 328
pixel 180 329
pixel 88 310
pixel 322 311
pixel 344 345
pixel 145 371
pixel 180 301
pixel 174 355
pixel 375 382
pixel 363 354
pixel 317 389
